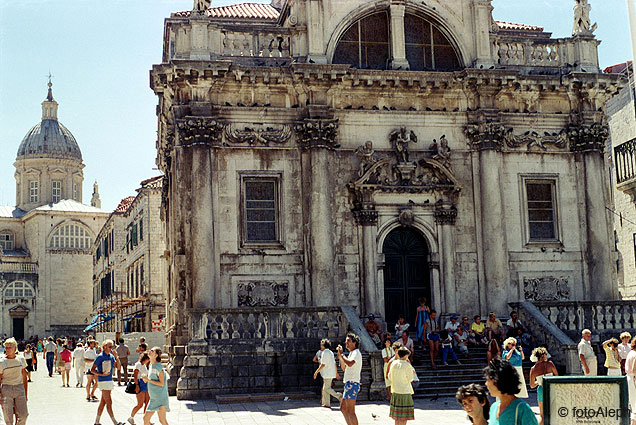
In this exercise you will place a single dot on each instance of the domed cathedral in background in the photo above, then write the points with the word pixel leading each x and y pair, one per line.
pixel 46 238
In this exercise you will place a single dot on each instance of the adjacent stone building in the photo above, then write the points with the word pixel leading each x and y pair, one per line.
pixel 45 239
pixel 128 262
pixel 368 153
pixel 621 111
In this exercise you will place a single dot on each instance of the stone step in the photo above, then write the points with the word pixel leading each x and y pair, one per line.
pixel 253 398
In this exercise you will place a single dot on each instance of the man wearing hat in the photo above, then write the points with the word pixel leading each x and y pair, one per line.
pixel 452 325
pixel 373 329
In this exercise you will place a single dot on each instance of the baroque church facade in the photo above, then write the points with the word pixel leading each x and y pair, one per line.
pixel 369 153
pixel 46 237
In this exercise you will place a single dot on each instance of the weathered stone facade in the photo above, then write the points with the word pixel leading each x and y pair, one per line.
pixel 45 240
pixel 295 178
pixel 129 266
pixel 622 124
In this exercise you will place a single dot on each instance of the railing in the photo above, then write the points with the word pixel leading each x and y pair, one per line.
pixel 19 267
pixel 625 161
pixel 594 315
pixel 560 346
pixel 529 53
pixel 256 44
pixel 268 323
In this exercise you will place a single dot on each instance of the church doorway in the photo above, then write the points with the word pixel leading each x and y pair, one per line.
pixel 406 274
pixel 18 328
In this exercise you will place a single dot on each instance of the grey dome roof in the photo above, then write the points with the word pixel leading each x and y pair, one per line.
pixel 49 138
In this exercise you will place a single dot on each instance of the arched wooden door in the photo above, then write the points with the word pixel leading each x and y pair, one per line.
pixel 406 274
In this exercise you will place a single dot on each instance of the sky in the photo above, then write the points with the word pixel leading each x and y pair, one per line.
pixel 100 53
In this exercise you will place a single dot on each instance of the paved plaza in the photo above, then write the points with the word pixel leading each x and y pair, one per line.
pixel 49 403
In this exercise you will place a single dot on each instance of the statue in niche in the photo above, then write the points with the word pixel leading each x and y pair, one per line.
pixel 401 139
pixel 441 152
pixel 367 157
pixel 582 23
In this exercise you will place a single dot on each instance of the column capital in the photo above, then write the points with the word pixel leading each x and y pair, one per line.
pixel 366 217
pixel 193 131
pixel 588 137
pixel 445 214
pixel 487 135
pixel 317 133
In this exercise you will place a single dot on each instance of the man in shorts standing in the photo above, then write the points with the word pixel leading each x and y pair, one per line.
pixel 103 368
pixel 352 366
pixel 13 381
pixel 89 357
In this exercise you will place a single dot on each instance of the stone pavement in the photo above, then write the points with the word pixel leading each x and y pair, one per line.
pixel 51 404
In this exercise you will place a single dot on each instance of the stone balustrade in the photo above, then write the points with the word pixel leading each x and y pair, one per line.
pixel 20 267
pixel 264 44
pixel 625 163
pixel 595 315
pixel 532 53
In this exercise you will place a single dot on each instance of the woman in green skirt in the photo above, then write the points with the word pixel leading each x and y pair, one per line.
pixel 401 375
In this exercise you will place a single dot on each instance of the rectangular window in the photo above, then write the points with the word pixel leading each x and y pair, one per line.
pixel 141 229
pixel 634 237
pixel 75 192
pixel 56 191
pixel 260 210
pixel 34 192
pixel 540 196
pixel 6 241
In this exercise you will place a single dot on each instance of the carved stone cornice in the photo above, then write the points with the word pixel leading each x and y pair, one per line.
pixel 194 131
pixel 317 133
pixel 485 135
pixel 588 137
pixel 445 215
pixel 366 216
pixel 258 136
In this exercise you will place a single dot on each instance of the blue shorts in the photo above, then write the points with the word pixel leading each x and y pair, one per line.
pixel 351 390
pixel 433 337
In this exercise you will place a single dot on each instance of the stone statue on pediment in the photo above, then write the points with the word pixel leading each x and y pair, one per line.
pixel 201 5
pixel 401 139
pixel 441 151
pixel 582 23
pixel 367 156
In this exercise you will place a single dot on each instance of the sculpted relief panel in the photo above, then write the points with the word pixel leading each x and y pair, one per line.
pixel 546 288
pixel 259 293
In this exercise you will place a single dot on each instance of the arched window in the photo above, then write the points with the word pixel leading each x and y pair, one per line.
pixel 19 290
pixel 6 241
pixel 70 236
pixel 427 48
pixel 365 44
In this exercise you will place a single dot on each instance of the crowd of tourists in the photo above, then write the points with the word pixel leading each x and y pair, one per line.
pixel 96 362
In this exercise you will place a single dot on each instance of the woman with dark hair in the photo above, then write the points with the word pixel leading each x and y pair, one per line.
pixel 474 400
pixel 421 318
pixel 493 350
pixel 502 381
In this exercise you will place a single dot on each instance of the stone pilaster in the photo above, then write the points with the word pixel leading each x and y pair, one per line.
pixel 445 217
pixel 398 45
pixel 319 136
pixel 373 299
pixel 588 141
pixel 487 138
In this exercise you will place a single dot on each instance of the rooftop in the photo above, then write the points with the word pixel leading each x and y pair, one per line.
pixel 69 205
pixel 618 68
pixel 124 204
pixel 11 212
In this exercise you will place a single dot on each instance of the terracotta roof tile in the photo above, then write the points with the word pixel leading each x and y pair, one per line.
pixel 618 68
pixel 124 204
pixel 523 27
pixel 239 11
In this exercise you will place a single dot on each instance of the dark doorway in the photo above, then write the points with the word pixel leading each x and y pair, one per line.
pixel 18 328
pixel 406 274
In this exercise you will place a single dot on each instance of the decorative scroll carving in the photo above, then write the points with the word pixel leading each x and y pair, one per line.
pixel 445 215
pixel 263 293
pixel 547 288
pixel 485 136
pixel 258 136
pixel 199 131
pixel 582 23
pixel 532 138
pixel 317 133
pixel 588 137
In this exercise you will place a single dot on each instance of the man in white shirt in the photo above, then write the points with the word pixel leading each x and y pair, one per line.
pixel 89 357
pixel 587 356
pixel 327 370
pixel 352 366
pixel 451 326
pixel 79 365
pixel 49 354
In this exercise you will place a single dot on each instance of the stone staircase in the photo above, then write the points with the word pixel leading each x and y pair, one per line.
pixel 445 380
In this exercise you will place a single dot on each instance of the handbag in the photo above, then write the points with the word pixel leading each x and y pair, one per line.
pixel 130 388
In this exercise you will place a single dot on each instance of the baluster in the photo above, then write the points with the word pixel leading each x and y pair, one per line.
pixel 225 326
pixel 236 326
pixel 285 46
pixel 251 329
pixel 571 318
pixel 560 317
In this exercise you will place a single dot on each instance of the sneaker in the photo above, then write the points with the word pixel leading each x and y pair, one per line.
pixel 445 363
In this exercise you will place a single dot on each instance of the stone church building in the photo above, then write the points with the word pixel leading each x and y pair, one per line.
pixel 46 238
pixel 369 153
